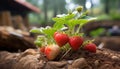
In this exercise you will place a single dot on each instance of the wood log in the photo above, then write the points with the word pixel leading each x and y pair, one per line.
pixel 100 24
pixel 112 43
pixel 11 40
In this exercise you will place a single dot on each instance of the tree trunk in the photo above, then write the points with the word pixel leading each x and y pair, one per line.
pixel 84 2
pixel 45 10
pixel 91 7
pixel 55 9
pixel 107 6
pixel 61 6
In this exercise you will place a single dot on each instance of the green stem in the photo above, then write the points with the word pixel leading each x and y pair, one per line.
pixel 73 30
pixel 69 31
pixel 78 29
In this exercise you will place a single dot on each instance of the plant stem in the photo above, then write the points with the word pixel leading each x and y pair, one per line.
pixel 73 30
pixel 78 29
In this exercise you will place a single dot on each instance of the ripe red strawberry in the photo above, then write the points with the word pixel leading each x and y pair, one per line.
pixel 61 38
pixel 91 47
pixel 75 42
pixel 51 51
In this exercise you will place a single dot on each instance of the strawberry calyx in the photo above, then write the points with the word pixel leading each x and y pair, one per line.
pixel 87 42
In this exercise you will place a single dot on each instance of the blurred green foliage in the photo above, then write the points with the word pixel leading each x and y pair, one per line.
pixel 111 16
pixel 103 9
pixel 97 32
pixel 104 17
pixel 115 15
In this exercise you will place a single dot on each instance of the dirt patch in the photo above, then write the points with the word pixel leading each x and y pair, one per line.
pixel 32 59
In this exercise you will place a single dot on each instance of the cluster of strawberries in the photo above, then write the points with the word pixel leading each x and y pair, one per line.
pixel 75 42
pixel 56 38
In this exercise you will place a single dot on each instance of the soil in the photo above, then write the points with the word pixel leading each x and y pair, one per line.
pixel 32 59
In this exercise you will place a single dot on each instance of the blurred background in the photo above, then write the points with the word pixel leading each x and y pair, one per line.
pixel 17 17
pixel 103 9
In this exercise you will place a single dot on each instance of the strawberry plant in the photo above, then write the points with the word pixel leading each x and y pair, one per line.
pixel 66 34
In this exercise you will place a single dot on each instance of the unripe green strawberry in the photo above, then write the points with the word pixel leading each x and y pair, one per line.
pixel 75 42
pixel 61 38
pixel 91 47
pixel 51 51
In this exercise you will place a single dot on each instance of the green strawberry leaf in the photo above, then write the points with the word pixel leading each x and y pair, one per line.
pixel 38 43
pixel 85 21
pixel 37 30
pixel 57 19
pixel 49 32
pixel 69 16
pixel 59 23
